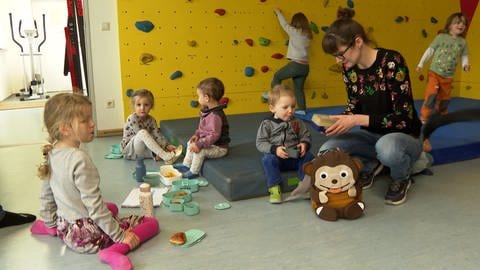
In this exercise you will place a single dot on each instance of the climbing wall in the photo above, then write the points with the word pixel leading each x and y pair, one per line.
pixel 188 41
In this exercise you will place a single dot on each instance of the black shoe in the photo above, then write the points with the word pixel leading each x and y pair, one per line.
pixel 366 178
pixel 12 219
pixel 397 192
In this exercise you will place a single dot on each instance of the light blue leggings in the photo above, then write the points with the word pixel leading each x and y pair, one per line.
pixel 398 151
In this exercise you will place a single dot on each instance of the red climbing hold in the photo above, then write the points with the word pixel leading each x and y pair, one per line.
pixel 277 55
pixel 220 11
pixel 421 77
pixel 224 100
pixel 264 69
pixel 249 41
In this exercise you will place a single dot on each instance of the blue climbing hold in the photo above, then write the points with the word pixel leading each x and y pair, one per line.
pixel 424 33
pixel 194 103
pixel 249 71
pixel 350 3
pixel 129 92
pixel 433 20
pixel 399 19
pixel 176 74
pixel 145 26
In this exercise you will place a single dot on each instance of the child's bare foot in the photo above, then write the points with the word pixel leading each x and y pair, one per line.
pixel 427 146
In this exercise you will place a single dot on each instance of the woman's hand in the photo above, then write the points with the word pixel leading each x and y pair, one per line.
pixel 344 123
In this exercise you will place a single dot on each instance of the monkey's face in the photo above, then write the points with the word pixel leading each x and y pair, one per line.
pixel 334 179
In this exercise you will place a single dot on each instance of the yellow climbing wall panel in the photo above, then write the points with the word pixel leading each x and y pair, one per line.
pixel 470 81
pixel 221 50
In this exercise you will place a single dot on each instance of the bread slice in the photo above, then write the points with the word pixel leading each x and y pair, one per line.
pixel 322 120
pixel 178 238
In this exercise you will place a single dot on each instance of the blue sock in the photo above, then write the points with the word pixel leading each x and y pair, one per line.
pixel 189 175
pixel 181 168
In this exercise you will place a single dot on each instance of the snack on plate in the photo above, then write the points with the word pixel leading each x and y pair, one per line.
pixel 178 238
pixel 168 174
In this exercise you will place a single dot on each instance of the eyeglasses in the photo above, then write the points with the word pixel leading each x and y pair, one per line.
pixel 340 56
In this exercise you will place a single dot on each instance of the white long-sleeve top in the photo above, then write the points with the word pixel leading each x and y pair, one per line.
pixel 298 43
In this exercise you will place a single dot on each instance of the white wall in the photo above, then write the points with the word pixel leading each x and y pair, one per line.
pixel 106 63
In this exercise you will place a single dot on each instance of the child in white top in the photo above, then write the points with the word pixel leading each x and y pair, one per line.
pixel 300 36
pixel 72 206
pixel 141 137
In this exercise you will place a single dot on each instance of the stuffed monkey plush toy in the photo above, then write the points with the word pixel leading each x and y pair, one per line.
pixel 334 191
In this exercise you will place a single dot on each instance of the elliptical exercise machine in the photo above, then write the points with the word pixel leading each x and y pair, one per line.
pixel 33 81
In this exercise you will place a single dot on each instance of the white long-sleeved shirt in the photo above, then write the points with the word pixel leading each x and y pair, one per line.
pixel 298 43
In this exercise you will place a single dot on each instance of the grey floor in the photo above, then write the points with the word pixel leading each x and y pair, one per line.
pixel 437 228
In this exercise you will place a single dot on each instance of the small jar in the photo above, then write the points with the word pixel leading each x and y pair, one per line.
pixel 146 200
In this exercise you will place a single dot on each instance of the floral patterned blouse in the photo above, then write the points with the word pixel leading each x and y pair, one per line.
pixel 383 91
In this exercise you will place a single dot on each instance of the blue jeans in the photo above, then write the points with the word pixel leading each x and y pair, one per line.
pixel 273 165
pixel 298 72
pixel 398 151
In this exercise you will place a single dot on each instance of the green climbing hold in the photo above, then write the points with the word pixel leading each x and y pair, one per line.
pixel 264 41
pixel 314 27
pixel 264 97
pixel 129 92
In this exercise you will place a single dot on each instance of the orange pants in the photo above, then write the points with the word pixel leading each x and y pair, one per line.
pixel 437 95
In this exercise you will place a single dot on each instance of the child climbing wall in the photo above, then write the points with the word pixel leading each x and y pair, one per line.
pixel 168 48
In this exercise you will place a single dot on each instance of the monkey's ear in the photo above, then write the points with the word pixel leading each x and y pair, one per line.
pixel 358 163
pixel 308 167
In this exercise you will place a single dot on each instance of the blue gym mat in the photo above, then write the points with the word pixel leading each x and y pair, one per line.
pixel 240 175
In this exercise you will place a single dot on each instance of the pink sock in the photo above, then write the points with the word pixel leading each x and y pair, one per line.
pixel 39 227
pixel 147 229
pixel 112 207
pixel 115 256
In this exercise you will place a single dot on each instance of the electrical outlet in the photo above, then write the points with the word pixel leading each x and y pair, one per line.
pixel 110 104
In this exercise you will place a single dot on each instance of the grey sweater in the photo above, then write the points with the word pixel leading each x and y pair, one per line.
pixel 73 192
pixel 273 133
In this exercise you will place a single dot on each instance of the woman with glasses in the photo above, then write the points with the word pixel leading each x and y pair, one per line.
pixel 380 101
